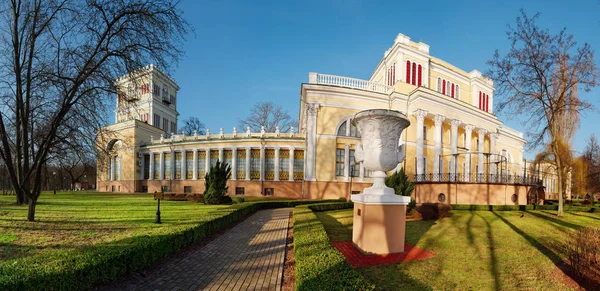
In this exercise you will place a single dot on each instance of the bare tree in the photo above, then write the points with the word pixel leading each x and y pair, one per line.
pixel 58 62
pixel 538 78
pixel 193 124
pixel 268 115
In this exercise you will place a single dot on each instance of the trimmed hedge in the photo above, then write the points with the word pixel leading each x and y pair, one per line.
pixel 521 207
pixel 318 265
pixel 84 268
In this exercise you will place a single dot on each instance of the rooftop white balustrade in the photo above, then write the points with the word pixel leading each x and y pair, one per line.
pixel 223 136
pixel 323 79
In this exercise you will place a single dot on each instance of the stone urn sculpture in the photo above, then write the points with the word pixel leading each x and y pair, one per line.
pixel 379 214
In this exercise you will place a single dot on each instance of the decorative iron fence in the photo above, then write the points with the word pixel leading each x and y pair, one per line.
pixel 477 178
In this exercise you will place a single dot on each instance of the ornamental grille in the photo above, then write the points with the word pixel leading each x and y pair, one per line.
pixel 284 165
pixel 298 165
pixel 156 166
pixel 214 157
pixel 178 165
pixel 189 165
pixel 270 164
pixel 201 164
pixel 241 164
pixel 167 166
pixel 255 164
pixel 227 154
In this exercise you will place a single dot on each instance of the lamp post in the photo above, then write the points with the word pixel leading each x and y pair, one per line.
pixel 158 196
pixel 54 181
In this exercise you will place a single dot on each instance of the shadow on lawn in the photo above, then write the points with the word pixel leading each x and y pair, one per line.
pixel 555 258
pixel 554 220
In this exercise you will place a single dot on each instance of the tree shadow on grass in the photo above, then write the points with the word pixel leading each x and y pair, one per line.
pixel 586 216
pixel 554 220
pixel 555 258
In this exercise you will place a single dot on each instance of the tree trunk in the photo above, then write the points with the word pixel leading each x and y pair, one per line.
pixel 31 210
pixel 560 212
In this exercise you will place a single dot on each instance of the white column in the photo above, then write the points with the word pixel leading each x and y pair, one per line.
pixel 110 168
pixel 161 170
pixel 183 165
pixel 291 161
pixel 311 141
pixel 439 119
pixel 172 164
pixel 207 162
pixel 420 115
pixel 469 135
pixel 221 155
pixel 454 144
pixel 248 153
pixel 276 178
pixel 234 163
pixel 493 158
pixel 481 133
pixel 151 171
pixel 361 172
pixel 346 162
pixel 195 170
pixel 262 162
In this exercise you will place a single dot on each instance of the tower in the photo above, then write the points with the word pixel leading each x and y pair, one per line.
pixel 148 95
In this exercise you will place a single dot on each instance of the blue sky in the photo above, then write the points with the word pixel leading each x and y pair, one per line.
pixel 249 51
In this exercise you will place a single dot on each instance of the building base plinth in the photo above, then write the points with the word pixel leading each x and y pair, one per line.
pixel 379 223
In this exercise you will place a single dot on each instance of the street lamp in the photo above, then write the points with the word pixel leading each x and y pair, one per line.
pixel 54 181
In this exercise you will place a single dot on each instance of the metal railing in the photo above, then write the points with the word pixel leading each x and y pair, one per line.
pixel 477 178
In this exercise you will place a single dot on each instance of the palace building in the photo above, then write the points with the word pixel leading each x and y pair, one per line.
pixel 457 150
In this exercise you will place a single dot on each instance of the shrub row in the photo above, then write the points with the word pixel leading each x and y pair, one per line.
pixel 84 268
pixel 521 207
pixel 330 206
pixel 318 265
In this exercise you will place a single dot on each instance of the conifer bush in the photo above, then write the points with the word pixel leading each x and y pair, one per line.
pixel 215 184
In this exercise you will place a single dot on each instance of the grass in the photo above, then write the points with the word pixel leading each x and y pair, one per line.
pixel 476 250
pixel 70 220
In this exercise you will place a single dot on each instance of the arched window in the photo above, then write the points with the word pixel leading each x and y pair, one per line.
pixel 457 92
pixel 443 87
pixel 452 93
pixel 439 85
pixel 487 102
pixel 480 100
pixel 448 88
pixel 420 76
pixel 342 129
pixel 353 130
pixel 408 72
pixel 424 132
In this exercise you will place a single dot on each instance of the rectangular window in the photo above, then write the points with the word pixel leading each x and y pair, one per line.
pixel 201 164
pixel 173 127
pixel 146 166
pixel 284 164
pixel 269 164
pixel 156 90
pixel 178 159
pixel 189 165
pixel 339 162
pixel 166 125
pixel 187 189
pixel 298 165
pixel 214 157
pixel 255 164
pixel 269 191
pixel 156 166
pixel 241 164
pixel 156 120
pixel 354 171
pixel 227 154
pixel 167 169
pixel 165 188
pixel 239 190
pixel 172 99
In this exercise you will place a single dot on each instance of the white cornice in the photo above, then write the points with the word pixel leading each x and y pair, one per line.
pixel 445 71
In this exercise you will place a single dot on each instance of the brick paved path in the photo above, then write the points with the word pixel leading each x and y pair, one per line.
pixel 249 256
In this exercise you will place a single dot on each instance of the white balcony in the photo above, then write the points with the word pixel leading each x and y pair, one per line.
pixel 323 79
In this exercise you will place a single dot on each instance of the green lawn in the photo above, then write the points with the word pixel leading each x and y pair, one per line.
pixel 476 250
pixel 68 221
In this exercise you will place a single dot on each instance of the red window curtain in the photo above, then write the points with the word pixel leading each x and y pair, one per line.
pixel 420 75
pixel 407 71
pixel 414 73
pixel 393 74
pixel 389 75
pixel 487 103
pixel 452 92
pixel 443 86
pixel 480 101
